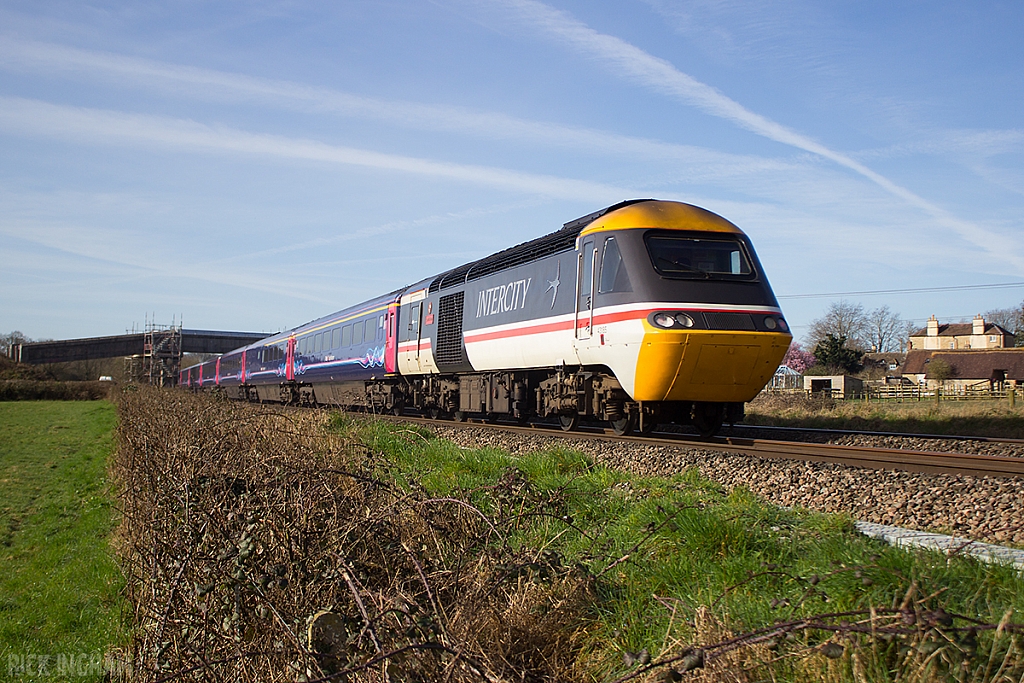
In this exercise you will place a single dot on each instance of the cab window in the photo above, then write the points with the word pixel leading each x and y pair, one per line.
pixel 681 256
pixel 613 271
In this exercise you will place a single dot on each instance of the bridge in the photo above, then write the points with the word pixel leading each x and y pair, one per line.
pixel 91 348
pixel 155 353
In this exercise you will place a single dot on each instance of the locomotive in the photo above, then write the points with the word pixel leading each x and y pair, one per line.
pixel 642 313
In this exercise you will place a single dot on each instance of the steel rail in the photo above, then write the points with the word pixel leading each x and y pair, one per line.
pixel 931 462
pixel 855 432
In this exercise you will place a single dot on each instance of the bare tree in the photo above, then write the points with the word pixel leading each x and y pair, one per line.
pixel 909 328
pixel 885 330
pixel 1010 319
pixel 11 339
pixel 842 319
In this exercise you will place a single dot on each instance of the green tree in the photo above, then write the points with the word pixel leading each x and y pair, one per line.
pixel 832 352
pixel 940 370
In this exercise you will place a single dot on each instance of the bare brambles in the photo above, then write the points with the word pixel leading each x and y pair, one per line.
pixel 258 546
pixel 282 545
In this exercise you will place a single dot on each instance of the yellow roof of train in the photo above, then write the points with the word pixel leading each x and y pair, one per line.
pixel 665 215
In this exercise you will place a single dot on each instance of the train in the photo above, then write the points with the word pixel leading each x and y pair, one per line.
pixel 646 312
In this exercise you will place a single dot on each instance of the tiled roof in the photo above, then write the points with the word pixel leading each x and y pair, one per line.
pixel 970 364
pixel 962 330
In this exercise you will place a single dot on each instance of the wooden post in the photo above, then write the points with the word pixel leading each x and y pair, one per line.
pixel 1012 395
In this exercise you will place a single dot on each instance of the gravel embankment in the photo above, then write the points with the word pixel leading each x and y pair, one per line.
pixel 980 508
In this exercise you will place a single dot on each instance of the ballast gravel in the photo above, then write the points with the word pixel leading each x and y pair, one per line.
pixel 980 508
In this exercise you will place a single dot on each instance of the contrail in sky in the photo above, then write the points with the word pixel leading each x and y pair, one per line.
pixel 659 75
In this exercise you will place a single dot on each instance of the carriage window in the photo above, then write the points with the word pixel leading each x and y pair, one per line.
pixel 302 345
pixel 380 328
pixel 317 339
pixel 346 336
pixel 414 317
pixel 698 257
pixel 357 333
pixel 272 354
pixel 613 271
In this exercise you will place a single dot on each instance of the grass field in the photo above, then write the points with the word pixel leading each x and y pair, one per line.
pixel 979 417
pixel 59 585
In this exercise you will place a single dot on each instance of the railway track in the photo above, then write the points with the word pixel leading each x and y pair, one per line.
pixel 931 462
pixel 853 432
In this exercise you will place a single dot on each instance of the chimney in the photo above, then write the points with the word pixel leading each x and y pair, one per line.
pixel 979 325
pixel 933 327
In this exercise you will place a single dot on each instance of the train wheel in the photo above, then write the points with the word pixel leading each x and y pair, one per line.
pixel 569 422
pixel 648 425
pixel 624 426
pixel 434 413
pixel 707 418
pixel 459 416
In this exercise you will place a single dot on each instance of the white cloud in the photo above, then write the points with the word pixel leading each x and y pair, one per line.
pixel 197 83
pixel 697 166
pixel 97 126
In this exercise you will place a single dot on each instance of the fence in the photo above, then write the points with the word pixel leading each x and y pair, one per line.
pixel 982 391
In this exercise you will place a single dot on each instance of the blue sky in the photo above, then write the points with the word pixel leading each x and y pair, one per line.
pixel 253 165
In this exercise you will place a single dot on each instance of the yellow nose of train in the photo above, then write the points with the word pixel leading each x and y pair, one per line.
pixel 699 365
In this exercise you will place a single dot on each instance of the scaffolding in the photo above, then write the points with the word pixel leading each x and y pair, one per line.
pixel 160 360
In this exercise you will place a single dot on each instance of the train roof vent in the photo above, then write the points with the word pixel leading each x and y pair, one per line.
pixel 455 276
pixel 584 221
pixel 561 240
pixel 553 243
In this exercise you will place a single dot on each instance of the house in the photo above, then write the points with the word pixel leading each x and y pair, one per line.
pixel 884 364
pixel 968 368
pixel 976 334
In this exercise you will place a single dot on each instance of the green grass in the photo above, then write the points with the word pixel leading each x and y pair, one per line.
pixel 979 417
pixel 59 584
pixel 660 548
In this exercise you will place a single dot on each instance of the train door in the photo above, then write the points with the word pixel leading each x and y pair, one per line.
pixel 416 327
pixel 289 360
pixel 391 340
pixel 201 376
pixel 216 373
pixel 241 371
pixel 585 290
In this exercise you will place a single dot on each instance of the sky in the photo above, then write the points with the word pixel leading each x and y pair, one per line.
pixel 255 165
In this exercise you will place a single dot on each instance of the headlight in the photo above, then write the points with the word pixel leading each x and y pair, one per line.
pixel 684 320
pixel 664 320
pixel 770 323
